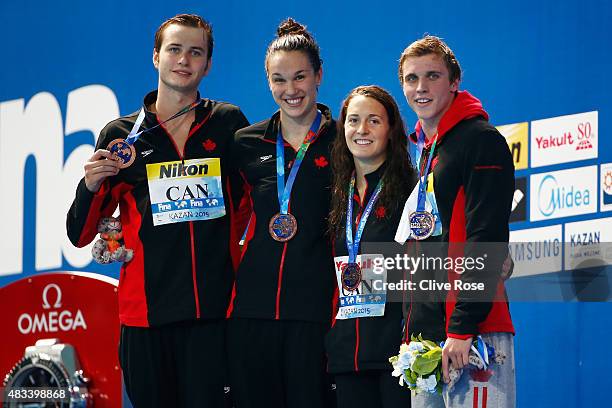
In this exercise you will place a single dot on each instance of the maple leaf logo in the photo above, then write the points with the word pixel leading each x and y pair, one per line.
pixel 381 212
pixel 209 145
pixel 321 162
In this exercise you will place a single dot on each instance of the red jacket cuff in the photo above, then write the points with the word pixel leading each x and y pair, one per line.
pixel 460 336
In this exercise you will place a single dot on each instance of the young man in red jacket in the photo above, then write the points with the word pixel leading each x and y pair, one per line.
pixel 472 177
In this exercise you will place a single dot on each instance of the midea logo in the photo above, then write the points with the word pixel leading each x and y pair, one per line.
pixel 551 197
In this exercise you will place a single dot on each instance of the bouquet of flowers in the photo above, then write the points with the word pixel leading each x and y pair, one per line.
pixel 419 364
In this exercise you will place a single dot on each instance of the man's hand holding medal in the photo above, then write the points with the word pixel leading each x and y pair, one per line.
pixel 101 165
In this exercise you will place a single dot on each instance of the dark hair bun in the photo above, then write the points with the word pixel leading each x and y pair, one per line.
pixel 292 36
pixel 290 26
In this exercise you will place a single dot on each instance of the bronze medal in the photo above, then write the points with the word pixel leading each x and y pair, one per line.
pixel 350 276
pixel 282 227
pixel 122 151
pixel 422 224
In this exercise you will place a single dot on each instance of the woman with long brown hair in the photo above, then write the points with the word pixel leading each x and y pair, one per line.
pixel 372 177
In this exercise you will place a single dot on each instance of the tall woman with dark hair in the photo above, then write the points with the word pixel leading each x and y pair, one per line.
pixel 372 177
pixel 282 301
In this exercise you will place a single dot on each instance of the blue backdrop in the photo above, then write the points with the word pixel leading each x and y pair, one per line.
pixel 525 60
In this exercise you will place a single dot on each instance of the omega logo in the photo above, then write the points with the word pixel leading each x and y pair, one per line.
pixel 58 300
pixel 51 321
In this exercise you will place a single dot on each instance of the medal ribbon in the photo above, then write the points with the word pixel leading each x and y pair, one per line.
pixel 481 351
pixel 284 191
pixel 423 175
pixel 353 246
pixel 134 134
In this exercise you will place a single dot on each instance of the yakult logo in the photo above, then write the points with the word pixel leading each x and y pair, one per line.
pixel 52 320
pixel 581 139
pixel 564 139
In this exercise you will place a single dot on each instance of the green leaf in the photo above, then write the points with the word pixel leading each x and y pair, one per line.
pixel 412 376
pixel 425 364
pixel 430 344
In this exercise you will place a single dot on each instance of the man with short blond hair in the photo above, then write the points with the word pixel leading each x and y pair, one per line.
pixel 473 182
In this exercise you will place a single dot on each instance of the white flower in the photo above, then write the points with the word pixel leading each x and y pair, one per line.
pixel 405 360
pixel 399 372
pixel 415 346
pixel 400 366
pixel 408 353
pixel 427 384
pixel 406 356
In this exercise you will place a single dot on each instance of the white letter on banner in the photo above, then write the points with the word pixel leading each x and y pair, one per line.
pixel 88 108
pixel 36 130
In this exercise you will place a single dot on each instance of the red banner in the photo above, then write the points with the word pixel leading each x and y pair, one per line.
pixel 79 309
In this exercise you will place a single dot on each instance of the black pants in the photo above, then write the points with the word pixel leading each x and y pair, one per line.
pixel 277 364
pixel 371 389
pixel 178 365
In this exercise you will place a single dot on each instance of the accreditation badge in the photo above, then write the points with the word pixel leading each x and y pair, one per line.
pixel 189 190
pixel 368 297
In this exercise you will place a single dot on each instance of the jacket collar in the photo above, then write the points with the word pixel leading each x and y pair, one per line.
pixel 273 125
pixel 464 106
pixel 201 110
pixel 372 180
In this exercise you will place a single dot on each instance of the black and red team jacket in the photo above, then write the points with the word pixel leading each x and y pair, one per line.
pixel 367 343
pixel 473 184
pixel 181 271
pixel 290 280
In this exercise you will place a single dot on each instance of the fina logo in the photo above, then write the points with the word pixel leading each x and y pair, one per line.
pixel 551 197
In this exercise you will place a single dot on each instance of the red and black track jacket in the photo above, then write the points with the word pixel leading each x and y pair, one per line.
pixel 180 271
pixel 473 185
pixel 367 343
pixel 291 280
